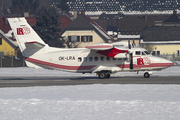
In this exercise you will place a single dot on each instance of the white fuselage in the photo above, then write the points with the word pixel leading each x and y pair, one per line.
pixel 83 60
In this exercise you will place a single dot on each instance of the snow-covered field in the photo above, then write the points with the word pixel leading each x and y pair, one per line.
pixel 89 102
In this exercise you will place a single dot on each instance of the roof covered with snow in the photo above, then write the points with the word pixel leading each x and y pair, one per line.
pixel 161 33
pixel 9 41
pixel 86 23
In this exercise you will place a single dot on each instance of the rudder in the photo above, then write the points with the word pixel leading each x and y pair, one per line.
pixel 28 40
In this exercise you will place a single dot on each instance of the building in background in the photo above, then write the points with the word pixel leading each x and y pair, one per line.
pixel 83 31
pixel 163 36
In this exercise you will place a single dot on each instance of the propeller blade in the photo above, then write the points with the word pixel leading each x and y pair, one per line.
pixel 131 60
pixel 129 44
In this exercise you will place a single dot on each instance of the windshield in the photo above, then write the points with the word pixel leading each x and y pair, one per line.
pixel 147 53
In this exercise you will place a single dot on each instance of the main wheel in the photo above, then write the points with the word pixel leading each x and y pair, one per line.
pixel 146 75
pixel 102 75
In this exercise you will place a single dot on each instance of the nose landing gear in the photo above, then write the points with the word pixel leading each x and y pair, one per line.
pixel 147 74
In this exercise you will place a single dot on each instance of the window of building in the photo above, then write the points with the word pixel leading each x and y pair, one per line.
pixel 109 23
pixel 95 58
pixel 157 52
pixel 74 38
pixel 178 52
pixel 86 38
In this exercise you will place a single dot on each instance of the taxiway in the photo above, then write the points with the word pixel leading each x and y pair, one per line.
pixel 60 81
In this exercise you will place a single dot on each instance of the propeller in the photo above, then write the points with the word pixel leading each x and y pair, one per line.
pixel 129 45
pixel 130 56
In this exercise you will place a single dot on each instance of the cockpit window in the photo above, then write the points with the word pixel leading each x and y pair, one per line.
pixel 147 53
pixel 138 53
pixel 143 53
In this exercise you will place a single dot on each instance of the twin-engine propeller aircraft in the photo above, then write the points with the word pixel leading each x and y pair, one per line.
pixel 103 59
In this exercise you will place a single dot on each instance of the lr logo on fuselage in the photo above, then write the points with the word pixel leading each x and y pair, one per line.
pixel 143 61
pixel 23 31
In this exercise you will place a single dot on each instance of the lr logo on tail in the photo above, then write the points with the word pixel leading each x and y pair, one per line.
pixel 23 31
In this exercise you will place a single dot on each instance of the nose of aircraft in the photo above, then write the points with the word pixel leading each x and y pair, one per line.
pixel 167 63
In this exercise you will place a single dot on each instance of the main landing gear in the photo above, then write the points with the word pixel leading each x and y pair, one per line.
pixel 104 74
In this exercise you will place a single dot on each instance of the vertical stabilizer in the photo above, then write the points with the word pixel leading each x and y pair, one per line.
pixel 28 40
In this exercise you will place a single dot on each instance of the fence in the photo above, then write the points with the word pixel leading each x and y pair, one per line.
pixel 11 61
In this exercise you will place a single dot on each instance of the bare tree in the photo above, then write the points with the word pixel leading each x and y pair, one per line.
pixel 21 6
pixel 149 48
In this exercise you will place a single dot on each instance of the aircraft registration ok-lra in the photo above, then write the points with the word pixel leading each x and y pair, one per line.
pixel 103 59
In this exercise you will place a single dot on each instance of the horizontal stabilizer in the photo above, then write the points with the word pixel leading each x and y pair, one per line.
pixel 34 45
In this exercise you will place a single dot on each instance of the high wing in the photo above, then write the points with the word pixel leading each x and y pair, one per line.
pixel 110 50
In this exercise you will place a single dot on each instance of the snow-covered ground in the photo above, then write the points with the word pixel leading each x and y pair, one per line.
pixel 89 102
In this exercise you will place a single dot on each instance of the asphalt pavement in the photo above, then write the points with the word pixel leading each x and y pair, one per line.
pixel 74 80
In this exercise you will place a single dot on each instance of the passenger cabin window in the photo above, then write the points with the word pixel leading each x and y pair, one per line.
pixel 95 58
pixel 85 59
pixel 108 58
pixel 79 59
pixel 90 58
pixel 102 58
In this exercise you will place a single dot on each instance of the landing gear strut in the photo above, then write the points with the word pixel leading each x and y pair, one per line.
pixel 104 74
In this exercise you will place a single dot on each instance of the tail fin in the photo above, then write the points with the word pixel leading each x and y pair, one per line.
pixel 28 40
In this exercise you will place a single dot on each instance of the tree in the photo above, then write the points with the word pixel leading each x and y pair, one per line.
pixel 48 26
pixel 149 48
pixel 21 6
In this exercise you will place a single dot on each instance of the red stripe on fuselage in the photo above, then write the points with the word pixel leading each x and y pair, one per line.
pixel 59 66
pixel 65 67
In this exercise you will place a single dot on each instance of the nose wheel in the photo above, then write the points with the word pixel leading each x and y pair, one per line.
pixel 146 75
